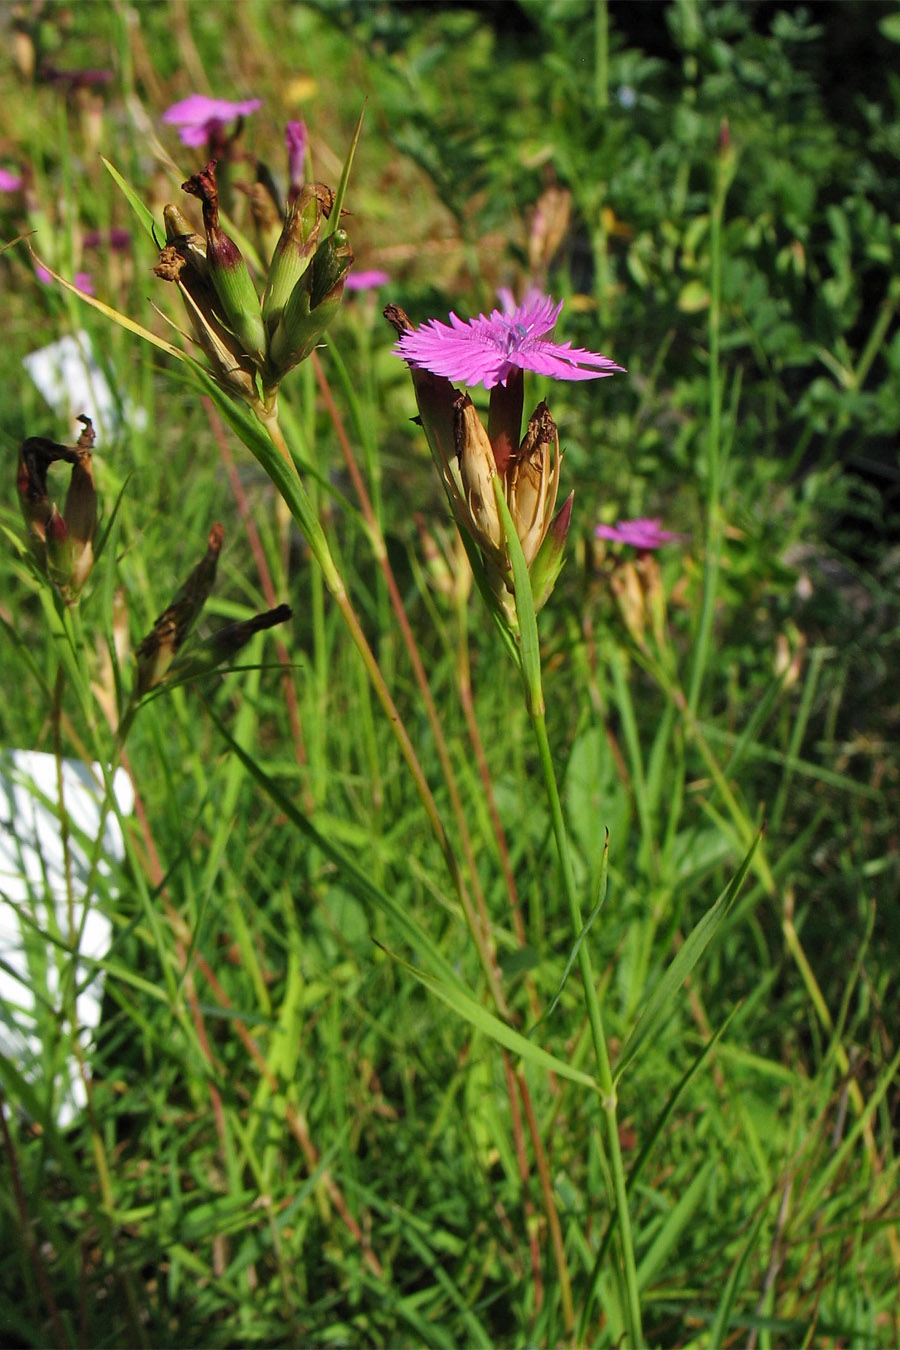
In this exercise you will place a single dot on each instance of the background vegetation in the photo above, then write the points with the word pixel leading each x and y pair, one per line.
pixel 290 1140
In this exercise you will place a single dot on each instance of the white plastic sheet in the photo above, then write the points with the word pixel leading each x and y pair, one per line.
pixel 46 937
pixel 69 376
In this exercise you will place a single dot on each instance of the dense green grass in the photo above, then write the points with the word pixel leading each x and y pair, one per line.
pixel 313 1119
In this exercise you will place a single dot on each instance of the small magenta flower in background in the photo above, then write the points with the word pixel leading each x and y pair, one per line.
pixel 10 182
pixel 84 78
pixel 366 281
pixel 115 238
pixel 296 140
pixel 644 533
pixel 83 281
pixel 487 350
pixel 201 119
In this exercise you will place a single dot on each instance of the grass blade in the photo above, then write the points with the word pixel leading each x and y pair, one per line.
pixel 466 1007
pixel 660 1000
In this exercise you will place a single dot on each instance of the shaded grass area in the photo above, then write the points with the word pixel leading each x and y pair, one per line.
pixel 290 1139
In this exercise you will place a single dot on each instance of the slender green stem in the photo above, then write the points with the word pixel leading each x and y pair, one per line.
pixel 604 1068
pixel 714 438
pixel 879 332
pixel 529 651
pixel 601 55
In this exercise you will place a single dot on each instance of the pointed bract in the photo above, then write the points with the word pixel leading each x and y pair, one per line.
pixel 312 304
pixel 548 564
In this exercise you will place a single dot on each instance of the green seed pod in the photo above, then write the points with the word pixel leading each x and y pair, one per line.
pixel 295 248
pixel 232 368
pixel 313 303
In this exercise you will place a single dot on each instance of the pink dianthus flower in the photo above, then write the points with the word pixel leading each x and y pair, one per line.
pixel 488 349
pixel 366 281
pixel 296 139
pixel 199 118
pixel 644 533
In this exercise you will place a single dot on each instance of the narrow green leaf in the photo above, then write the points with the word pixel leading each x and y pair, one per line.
pixel 282 474
pixel 660 1001
pixel 461 1002
pixel 429 1244
pixel 719 1327
pixel 573 955
pixel 144 215
pixel 16 1088
pixel 103 537
pixel 331 224
pixel 674 1224
pixel 638 1165
pixel 115 315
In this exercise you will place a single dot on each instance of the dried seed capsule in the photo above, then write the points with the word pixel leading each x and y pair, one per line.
pixel 158 649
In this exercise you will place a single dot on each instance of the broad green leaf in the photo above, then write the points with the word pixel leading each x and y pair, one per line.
pixel 693 297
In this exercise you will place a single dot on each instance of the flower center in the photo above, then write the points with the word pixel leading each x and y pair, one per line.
pixel 516 333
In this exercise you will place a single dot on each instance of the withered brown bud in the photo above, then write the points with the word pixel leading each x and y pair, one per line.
pixel 158 649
